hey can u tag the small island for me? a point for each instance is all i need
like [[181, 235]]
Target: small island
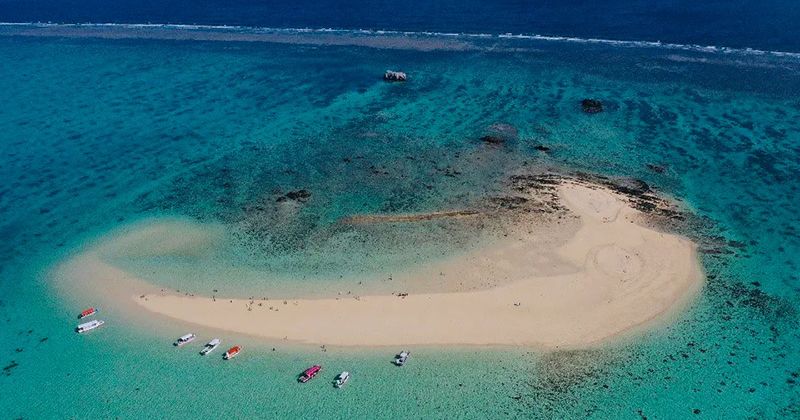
[[585, 271]]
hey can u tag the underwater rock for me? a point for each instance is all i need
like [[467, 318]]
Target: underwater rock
[[500, 133], [541, 148], [492, 139], [7, 370], [503, 129], [591, 106], [299, 195], [659, 169]]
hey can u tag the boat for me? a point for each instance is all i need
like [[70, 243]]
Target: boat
[[88, 312], [184, 339], [341, 379], [394, 76], [210, 346], [88, 326], [232, 352], [401, 358], [309, 373]]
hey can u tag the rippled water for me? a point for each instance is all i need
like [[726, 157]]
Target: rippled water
[[98, 134]]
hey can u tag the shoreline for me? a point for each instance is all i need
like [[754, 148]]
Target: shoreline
[[541, 291]]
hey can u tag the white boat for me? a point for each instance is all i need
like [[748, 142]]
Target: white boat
[[88, 326], [394, 76], [341, 379], [401, 358], [210, 346], [184, 339]]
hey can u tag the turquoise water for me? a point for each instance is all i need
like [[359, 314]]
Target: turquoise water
[[98, 134]]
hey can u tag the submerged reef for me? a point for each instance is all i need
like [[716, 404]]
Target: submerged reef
[[591, 106], [500, 133]]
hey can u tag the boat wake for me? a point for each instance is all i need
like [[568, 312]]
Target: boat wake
[[249, 33]]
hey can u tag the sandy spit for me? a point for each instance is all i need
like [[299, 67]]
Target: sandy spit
[[613, 275]]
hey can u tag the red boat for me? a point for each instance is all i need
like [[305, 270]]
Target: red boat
[[232, 352], [88, 312], [309, 373]]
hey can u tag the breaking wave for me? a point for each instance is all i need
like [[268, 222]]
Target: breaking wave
[[245, 30]]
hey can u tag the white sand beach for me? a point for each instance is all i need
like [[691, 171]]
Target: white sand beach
[[611, 275]]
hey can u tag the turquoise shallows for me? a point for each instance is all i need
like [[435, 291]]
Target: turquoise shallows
[[98, 134]]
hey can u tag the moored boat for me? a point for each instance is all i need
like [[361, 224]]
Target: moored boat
[[232, 352], [394, 76], [184, 339], [210, 346], [341, 379], [88, 326], [401, 358], [87, 312], [309, 373]]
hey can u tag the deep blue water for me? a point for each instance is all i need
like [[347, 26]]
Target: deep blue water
[[769, 24]]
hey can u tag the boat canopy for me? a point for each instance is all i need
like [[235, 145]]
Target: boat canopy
[[186, 337]]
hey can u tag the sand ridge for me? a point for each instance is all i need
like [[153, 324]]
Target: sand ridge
[[611, 276]]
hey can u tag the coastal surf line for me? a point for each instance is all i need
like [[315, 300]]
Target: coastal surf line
[[251, 30]]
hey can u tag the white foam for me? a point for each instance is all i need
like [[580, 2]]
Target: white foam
[[710, 49]]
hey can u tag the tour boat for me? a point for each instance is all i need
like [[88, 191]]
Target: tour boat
[[232, 352], [309, 373], [401, 358], [394, 76], [88, 326], [184, 339], [87, 312], [341, 379], [210, 346]]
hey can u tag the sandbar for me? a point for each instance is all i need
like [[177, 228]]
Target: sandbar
[[612, 275]]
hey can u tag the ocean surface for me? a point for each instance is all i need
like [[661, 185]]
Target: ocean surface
[[97, 134], [766, 24]]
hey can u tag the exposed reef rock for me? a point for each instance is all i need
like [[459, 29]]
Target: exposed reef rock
[[509, 202], [591, 106], [638, 193]]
